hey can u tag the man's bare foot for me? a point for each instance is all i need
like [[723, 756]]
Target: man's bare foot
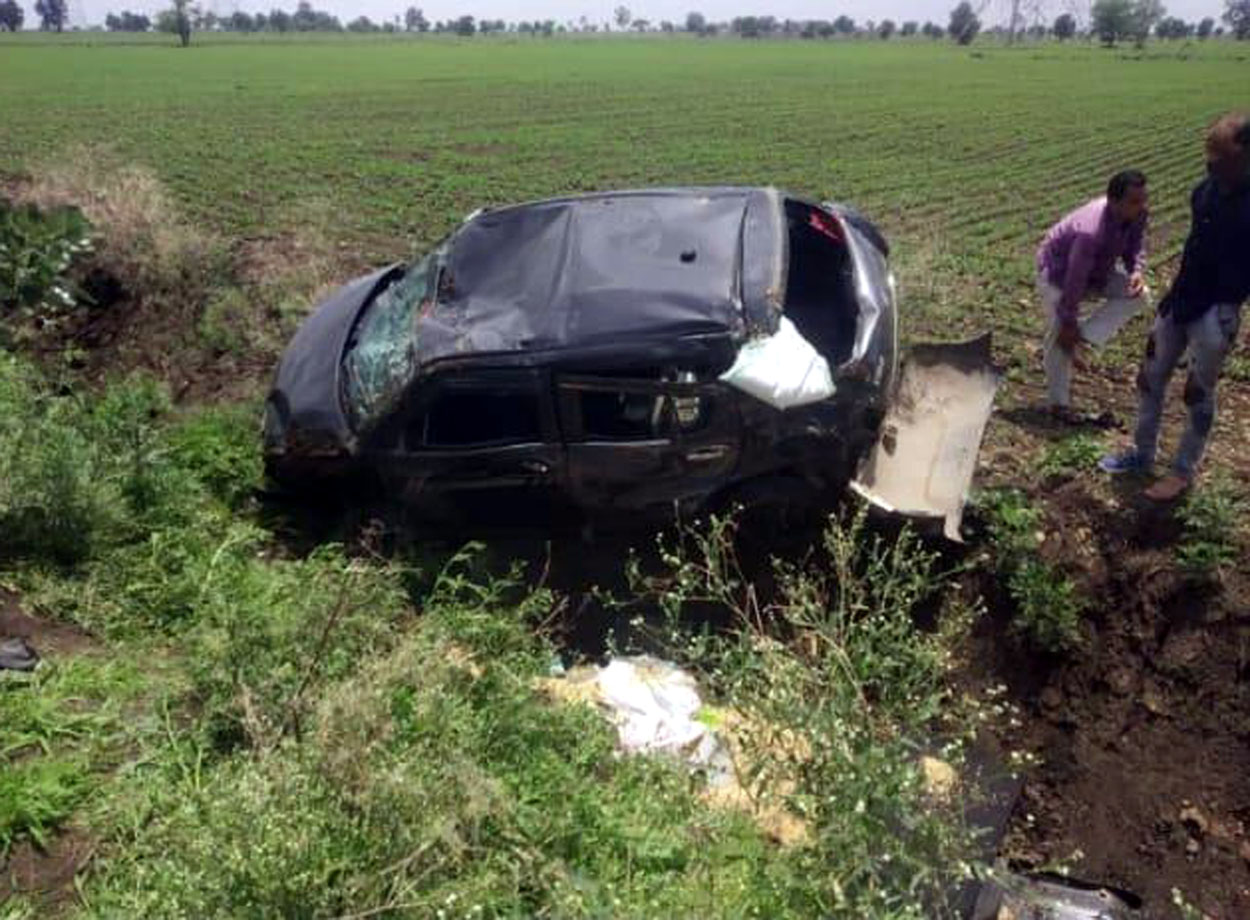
[[1169, 488]]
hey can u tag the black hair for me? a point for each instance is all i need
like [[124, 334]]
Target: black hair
[[1124, 180]]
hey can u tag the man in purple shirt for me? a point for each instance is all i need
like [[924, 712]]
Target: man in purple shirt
[[1096, 251], [1200, 313]]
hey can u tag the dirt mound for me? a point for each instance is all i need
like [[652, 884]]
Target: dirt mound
[[46, 876], [1144, 733], [47, 636]]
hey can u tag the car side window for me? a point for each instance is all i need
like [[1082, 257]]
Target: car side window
[[617, 415], [615, 411], [472, 416]]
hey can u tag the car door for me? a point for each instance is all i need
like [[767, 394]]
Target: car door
[[480, 443], [633, 443]]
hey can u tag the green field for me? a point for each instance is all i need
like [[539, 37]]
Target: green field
[[964, 156], [246, 714]]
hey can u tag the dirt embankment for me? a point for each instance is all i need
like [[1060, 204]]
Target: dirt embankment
[[159, 295], [1144, 731]]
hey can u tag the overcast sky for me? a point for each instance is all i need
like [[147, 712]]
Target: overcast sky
[[93, 11]]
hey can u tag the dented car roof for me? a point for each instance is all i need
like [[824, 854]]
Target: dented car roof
[[609, 268]]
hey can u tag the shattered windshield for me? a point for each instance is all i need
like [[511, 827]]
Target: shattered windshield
[[381, 357]]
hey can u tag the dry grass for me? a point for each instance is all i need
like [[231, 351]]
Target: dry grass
[[142, 240], [207, 316]]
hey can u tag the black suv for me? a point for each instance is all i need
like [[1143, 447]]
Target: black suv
[[570, 355]]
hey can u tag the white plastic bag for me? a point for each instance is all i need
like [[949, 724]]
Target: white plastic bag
[[654, 705], [655, 708], [782, 369]]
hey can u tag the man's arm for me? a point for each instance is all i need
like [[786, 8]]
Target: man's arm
[[1135, 257], [1185, 274], [1076, 280], [1242, 245], [1135, 248]]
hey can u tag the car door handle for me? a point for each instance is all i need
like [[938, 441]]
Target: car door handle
[[537, 467], [707, 454]]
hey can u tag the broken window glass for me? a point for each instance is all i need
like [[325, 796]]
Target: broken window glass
[[635, 415], [820, 285], [382, 355]]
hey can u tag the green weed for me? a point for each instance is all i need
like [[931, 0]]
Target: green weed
[[1211, 517], [219, 447], [77, 474], [1069, 456], [224, 325], [60, 731], [36, 796], [18, 908], [1237, 367], [52, 502], [1048, 604], [844, 691], [37, 251]]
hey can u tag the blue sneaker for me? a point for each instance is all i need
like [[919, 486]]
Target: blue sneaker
[[1130, 461]]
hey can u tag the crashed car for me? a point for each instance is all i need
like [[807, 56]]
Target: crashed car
[[621, 354]]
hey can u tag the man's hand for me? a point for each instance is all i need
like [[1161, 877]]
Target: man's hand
[[1069, 337], [1136, 284]]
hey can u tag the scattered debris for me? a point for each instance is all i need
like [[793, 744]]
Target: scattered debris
[[653, 704], [656, 709], [1046, 897], [1194, 820], [941, 780], [782, 369], [922, 464], [17, 654]]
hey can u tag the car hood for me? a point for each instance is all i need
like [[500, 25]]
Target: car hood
[[304, 402]]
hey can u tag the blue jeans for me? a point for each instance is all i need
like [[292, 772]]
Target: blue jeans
[[1209, 339]]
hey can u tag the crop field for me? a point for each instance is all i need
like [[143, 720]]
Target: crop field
[[246, 713], [963, 156]]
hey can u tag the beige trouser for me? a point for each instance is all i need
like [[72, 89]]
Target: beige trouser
[[1097, 329]]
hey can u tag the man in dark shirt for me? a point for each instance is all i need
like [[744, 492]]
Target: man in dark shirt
[[1201, 312]]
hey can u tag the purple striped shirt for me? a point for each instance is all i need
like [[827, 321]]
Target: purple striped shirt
[[1078, 253]]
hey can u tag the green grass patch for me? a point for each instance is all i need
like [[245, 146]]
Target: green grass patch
[[36, 796], [287, 734], [437, 778], [61, 731]]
